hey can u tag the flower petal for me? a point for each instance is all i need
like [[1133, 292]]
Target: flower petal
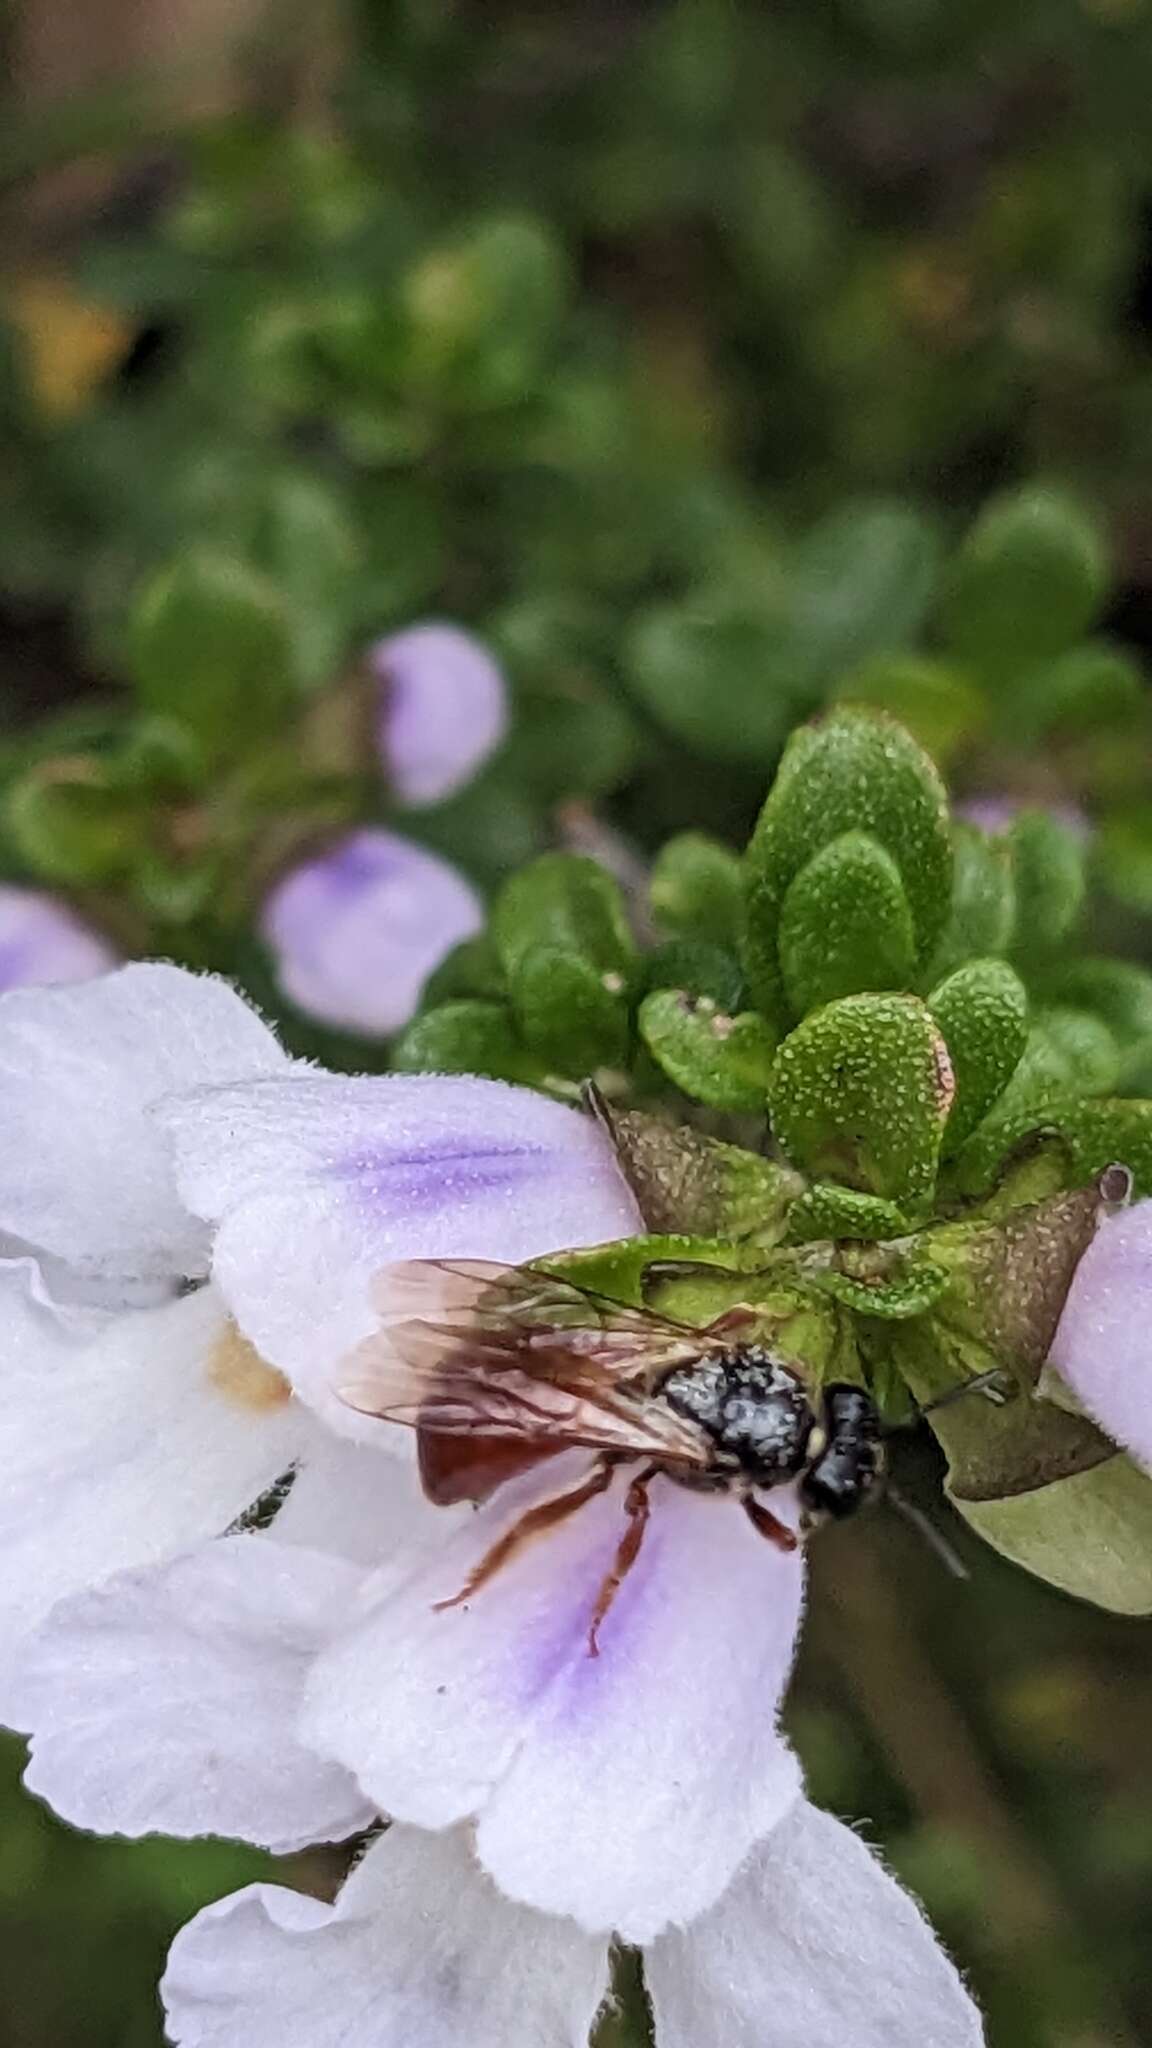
[[582, 1769], [166, 1701], [357, 931], [815, 1943], [116, 1448], [419, 1951], [357, 1502], [83, 1173], [316, 1182], [1101, 1347], [443, 709], [41, 941]]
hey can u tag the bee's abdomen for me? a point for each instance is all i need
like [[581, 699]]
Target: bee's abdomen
[[852, 1460], [754, 1409]]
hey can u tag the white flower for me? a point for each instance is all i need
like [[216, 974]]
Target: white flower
[[813, 1943], [580, 1771], [150, 1371]]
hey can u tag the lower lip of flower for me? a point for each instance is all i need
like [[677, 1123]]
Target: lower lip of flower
[[238, 1372]]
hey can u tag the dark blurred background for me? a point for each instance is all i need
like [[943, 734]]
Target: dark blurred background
[[553, 318]]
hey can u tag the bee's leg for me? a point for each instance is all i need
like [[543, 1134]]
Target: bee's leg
[[537, 1519], [767, 1524], [637, 1508]]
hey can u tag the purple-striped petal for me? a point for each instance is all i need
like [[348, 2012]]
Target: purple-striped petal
[[357, 931], [443, 709], [318, 1182]]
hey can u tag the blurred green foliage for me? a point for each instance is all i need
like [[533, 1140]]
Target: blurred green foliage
[[718, 363]]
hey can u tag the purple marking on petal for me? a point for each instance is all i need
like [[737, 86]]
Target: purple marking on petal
[[357, 931], [443, 709], [419, 1181]]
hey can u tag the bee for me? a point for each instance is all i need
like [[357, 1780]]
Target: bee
[[499, 1369]]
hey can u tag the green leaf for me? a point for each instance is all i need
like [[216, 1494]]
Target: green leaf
[[571, 1016], [1048, 862], [1114, 1131], [845, 925], [1090, 1534], [825, 1210], [567, 901], [1086, 1045], [1122, 856], [71, 823], [722, 1060], [982, 913], [212, 647], [1116, 990], [860, 1093], [938, 704], [483, 310], [719, 678], [696, 888], [865, 577], [304, 542], [467, 1037], [1029, 579], [852, 771], [471, 969], [982, 1009], [1090, 689], [693, 966]]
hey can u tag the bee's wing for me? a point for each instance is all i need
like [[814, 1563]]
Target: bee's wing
[[495, 1352]]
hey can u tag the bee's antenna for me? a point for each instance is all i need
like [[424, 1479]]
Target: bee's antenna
[[935, 1538]]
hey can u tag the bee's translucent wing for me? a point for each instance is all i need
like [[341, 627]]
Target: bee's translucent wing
[[523, 1363]]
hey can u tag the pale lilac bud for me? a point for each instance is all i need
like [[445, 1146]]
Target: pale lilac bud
[[443, 709], [998, 814], [42, 941], [357, 931]]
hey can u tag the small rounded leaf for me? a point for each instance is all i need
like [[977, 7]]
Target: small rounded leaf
[[695, 888], [861, 1092], [851, 771], [571, 1015], [845, 925], [982, 1010], [212, 646], [722, 1060], [563, 900], [1028, 580], [467, 1037], [1048, 862]]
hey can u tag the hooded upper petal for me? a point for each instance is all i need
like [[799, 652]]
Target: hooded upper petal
[[419, 1951], [42, 941], [117, 1445], [357, 931], [315, 1182], [166, 1701], [623, 1789], [443, 709], [813, 1943], [1103, 1347], [83, 1172]]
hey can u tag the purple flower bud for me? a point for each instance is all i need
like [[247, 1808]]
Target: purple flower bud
[[42, 941], [443, 709], [997, 814], [357, 931]]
